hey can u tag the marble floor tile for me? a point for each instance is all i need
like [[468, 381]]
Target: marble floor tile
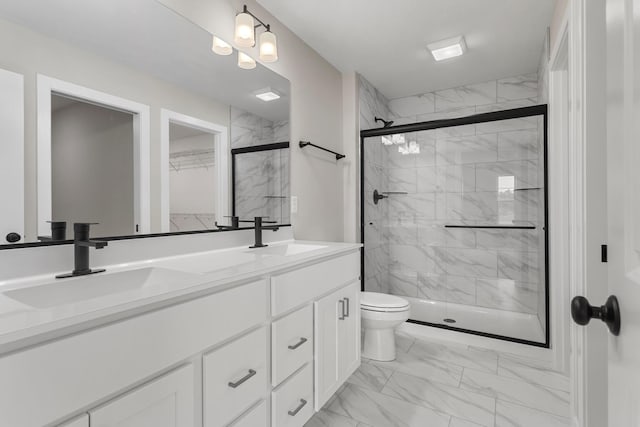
[[458, 355], [450, 400], [404, 341], [325, 418], [379, 410], [513, 368], [510, 390], [371, 376], [511, 415], [425, 367]]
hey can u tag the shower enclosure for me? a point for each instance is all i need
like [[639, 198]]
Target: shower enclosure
[[453, 218]]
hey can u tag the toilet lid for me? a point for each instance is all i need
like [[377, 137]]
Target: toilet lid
[[373, 300]]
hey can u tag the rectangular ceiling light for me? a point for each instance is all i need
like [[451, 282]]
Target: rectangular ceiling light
[[267, 95], [449, 48]]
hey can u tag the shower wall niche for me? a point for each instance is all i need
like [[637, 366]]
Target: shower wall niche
[[460, 230]]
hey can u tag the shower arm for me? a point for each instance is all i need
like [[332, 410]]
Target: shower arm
[[377, 196]]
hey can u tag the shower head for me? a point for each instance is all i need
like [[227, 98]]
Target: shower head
[[386, 123]]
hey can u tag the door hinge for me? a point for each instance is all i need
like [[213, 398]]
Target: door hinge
[[604, 253]]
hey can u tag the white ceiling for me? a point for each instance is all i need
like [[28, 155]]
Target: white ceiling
[[385, 40], [150, 37]]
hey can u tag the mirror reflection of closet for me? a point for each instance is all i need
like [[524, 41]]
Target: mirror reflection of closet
[[92, 171], [192, 178]]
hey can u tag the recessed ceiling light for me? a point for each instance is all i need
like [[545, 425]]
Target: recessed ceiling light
[[449, 48], [267, 95]]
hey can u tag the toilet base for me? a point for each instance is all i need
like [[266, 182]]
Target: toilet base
[[379, 344]]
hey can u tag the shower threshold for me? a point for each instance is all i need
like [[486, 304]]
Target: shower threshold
[[508, 325]]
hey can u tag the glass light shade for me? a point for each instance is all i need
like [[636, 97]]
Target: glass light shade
[[268, 47], [221, 47], [245, 61], [245, 33]]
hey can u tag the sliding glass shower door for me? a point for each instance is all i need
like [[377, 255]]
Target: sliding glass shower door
[[454, 220]]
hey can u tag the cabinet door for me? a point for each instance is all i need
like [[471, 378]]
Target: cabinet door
[[164, 402], [328, 319], [349, 333], [81, 421]]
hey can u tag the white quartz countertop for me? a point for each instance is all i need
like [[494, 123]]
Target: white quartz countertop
[[38, 308]]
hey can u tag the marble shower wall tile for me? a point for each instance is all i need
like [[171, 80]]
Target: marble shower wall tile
[[524, 172], [466, 96], [472, 207], [468, 149], [459, 290], [467, 262], [403, 282], [413, 105], [520, 266], [518, 145], [508, 295], [519, 87]]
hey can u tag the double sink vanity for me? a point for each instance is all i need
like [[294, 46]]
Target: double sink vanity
[[233, 336]]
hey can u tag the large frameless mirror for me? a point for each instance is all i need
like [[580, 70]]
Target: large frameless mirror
[[124, 116]]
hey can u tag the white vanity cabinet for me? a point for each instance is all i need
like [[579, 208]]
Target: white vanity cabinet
[[167, 401], [337, 332], [263, 352]]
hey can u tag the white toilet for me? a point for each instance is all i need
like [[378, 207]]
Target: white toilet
[[381, 314]]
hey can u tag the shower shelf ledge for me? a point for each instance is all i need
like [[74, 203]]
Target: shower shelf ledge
[[508, 227]]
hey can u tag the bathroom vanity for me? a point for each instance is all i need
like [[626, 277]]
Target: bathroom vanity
[[242, 337]]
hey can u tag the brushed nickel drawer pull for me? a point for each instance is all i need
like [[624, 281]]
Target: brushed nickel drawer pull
[[348, 305], [298, 344], [300, 406], [341, 316], [243, 379]]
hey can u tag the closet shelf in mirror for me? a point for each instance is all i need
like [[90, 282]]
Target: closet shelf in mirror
[[192, 159]]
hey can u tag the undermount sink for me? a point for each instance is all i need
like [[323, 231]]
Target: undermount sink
[[208, 262], [73, 290], [286, 250]]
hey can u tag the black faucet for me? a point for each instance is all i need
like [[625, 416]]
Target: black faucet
[[81, 245], [235, 224], [58, 232], [258, 221]]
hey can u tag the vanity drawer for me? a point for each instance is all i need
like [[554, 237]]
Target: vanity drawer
[[292, 402], [292, 343], [291, 289], [235, 377], [257, 417]]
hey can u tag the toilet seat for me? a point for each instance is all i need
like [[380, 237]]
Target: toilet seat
[[374, 301]]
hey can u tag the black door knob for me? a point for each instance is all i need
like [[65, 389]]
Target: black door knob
[[13, 237], [582, 312]]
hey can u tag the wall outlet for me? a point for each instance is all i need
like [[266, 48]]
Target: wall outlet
[[294, 204]]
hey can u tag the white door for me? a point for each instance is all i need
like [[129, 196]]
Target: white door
[[328, 321], [12, 149], [164, 402], [349, 333], [623, 175]]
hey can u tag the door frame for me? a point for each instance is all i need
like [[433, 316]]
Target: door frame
[[221, 142], [12, 170], [585, 31], [558, 173], [48, 86]]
